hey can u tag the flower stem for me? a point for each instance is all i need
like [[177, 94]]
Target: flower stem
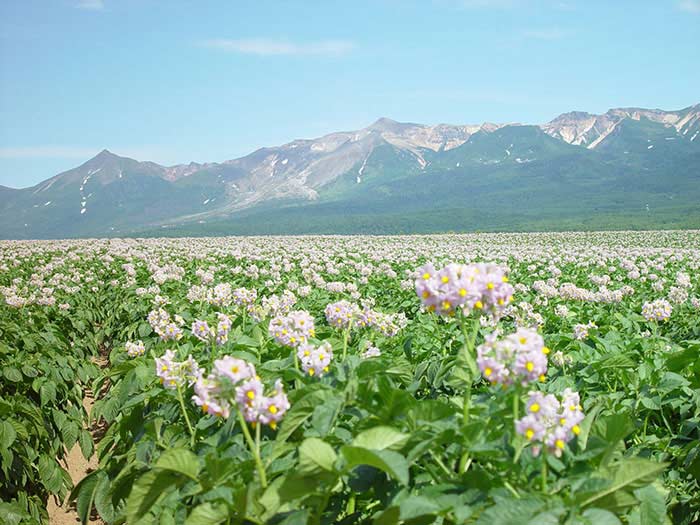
[[187, 418], [345, 343], [253, 449], [544, 472], [516, 406]]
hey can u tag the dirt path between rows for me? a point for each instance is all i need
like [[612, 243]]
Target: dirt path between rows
[[78, 467]]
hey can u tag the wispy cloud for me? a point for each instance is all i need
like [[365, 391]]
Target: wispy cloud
[[691, 6], [545, 34], [271, 47], [93, 5]]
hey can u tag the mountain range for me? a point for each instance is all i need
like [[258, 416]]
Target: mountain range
[[627, 168]]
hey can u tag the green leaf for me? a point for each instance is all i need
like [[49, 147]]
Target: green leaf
[[600, 517], [629, 474], [87, 445], [380, 438], [393, 463], [50, 473], [181, 461], [84, 495], [416, 506], [314, 455], [652, 505], [47, 393], [207, 514], [144, 329], [7, 434], [146, 491], [12, 374], [70, 431], [510, 512]]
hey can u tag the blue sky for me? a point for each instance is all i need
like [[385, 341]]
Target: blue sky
[[174, 81]]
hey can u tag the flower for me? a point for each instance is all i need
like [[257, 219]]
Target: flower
[[201, 330], [342, 314], [135, 349], [581, 330], [521, 356], [292, 329], [371, 351], [234, 369], [551, 420], [234, 384], [315, 361], [472, 287], [175, 374], [658, 310]]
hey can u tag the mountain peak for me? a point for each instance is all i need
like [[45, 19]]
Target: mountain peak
[[387, 124]]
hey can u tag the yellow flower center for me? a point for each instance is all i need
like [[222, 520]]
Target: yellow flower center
[[250, 394], [426, 276], [529, 433], [535, 407], [488, 372], [559, 444], [462, 292], [272, 409], [576, 429], [530, 366], [478, 305], [489, 286], [445, 279], [545, 350]]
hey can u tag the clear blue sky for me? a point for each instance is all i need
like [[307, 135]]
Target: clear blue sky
[[173, 81]]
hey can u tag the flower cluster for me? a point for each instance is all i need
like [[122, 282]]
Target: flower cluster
[[387, 325], [219, 335], [292, 329], [164, 326], [581, 330], [478, 286], [234, 383], [658, 310], [135, 349], [174, 374], [551, 421], [372, 351], [342, 314], [315, 360], [519, 357], [244, 296]]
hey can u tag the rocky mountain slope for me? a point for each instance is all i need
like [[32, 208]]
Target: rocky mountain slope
[[629, 162]]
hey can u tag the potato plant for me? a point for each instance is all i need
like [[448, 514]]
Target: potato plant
[[488, 379]]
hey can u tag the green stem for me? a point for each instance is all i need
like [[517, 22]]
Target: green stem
[[345, 343], [516, 405], [187, 418], [465, 405], [544, 472], [253, 449]]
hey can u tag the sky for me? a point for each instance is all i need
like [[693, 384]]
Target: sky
[[176, 81]]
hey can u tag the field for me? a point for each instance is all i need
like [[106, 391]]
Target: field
[[493, 379]]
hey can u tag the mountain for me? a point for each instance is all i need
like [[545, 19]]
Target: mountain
[[629, 167]]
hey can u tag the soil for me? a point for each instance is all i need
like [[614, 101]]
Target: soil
[[63, 513]]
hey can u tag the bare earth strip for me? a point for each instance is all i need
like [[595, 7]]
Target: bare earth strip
[[78, 467]]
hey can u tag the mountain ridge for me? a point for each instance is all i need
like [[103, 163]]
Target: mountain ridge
[[111, 194]]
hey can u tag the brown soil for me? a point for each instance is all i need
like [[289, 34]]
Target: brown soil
[[63, 513]]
